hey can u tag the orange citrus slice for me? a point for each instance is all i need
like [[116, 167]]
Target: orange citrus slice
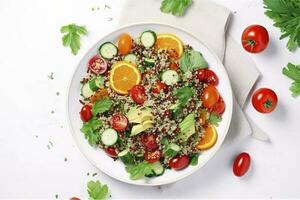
[[209, 139], [123, 77], [170, 42]]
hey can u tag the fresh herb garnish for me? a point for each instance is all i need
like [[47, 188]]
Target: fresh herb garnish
[[194, 159], [214, 119], [72, 36], [192, 60], [97, 191], [102, 106], [176, 7], [51, 76], [140, 170], [184, 94], [286, 16], [293, 72], [89, 129]]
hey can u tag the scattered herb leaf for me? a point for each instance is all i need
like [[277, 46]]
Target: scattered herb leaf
[[102, 106], [56, 196], [66, 159], [214, 119], [293, 72], [140, 170], [184, 94], [51, 76], [176, 7], [89, 129], [97, 191], [94, 174], [192, 60]]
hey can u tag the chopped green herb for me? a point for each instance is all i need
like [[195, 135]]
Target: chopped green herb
[[184, 94], [102, 106], [66, 159], [51, 76], [192, 60], [176, 7], [56, 196], [57, 93], [107, 6], [293, 72], [89, 129], [97, 191], [52, 112], [214, 119], [88, 174], [94, 174]]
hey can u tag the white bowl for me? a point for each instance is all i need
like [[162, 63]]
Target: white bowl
[[116, 169]]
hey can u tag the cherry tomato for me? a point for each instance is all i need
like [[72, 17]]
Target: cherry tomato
[[124, 44], [241, 164], [111, 151], [119, 122], [201, 74], [179, 162], [138, 94], [74, 198], [264, 100], [219, 107], [160, 86], [211, 77], [86, 113], [202, 118], [255, 38], [152, 156], [97, 65], [210, 96], [174, 66], [149, 141]]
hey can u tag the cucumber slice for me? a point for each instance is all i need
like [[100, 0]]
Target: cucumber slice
[[131, 58], [170, 77], [126, 157], [148, 38], [172, 150], [148, 62], [108, 50], [96, 83], [158, 168], [109, 137], [86, 91]]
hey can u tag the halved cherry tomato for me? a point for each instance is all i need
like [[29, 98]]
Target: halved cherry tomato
[[211, 77], [152, 156], [138, 94], [124, 44], [174, 66], [201, 74], [255, 38], [86, 113], [202, 118], [179, 162], [264, 100], [149, 141], [219, 107], [74, 198], [119, 122], [111, 151], [160, 86], [97, 65], [210, 96], [241, 164]]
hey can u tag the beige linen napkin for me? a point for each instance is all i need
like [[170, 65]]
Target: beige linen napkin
[[208, 22]]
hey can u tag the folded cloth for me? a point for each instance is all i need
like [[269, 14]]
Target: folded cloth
[[208, 22]]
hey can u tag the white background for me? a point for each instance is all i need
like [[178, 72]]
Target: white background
[[30, 49]]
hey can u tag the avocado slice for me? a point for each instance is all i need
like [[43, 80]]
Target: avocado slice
[[136, 129], [187, 127], [138, 115]]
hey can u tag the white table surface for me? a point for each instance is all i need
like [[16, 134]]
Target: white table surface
[[30, 49]]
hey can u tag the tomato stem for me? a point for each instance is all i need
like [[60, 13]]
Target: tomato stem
[[268, 104]]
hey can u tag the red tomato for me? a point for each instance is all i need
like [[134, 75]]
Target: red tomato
[[174, 66], [149, 141], [264, 100], [160, 86], [179, 162], [255, 38], [201, 74], [119, 122], [86, 113], [124, 44], [138, 94], [74, 198], [97, 65], [152, 156], [210, 96], [111, 151], [241, 164], [211, 77], [219, 107]]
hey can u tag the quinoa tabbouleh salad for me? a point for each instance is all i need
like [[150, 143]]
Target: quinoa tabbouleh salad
[[151, 102]]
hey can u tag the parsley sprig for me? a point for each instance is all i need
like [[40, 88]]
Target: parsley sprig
[[72, 36], [176, 7], [140, 170], [286, 16], [293, 72], [90, 130], [97, 191]]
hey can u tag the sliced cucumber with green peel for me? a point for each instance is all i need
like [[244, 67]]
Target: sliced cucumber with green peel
[[108, 50], [172, 150], [126, 157], [170, 77], [86, 91], [148, 62], [148, 38], [96, 83], [131, 58], [109, 137], [158, 168]]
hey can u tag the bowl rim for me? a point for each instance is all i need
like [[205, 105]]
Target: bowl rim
[[229, 106]]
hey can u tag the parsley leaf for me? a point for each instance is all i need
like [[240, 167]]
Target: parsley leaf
[[214, 119], [97, 191], [192, 60], [89, 129], [184, 94], [102, 106], [72, 36], [176, 7], [293, 72], [286, 16], [194, 159], [140, 170]]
